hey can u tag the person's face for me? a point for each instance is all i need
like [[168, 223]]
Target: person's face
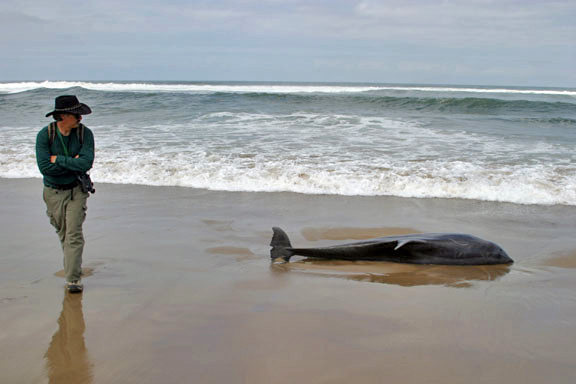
[[70, 120]]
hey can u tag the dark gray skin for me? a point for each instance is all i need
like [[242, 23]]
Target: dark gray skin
[[420, 248]]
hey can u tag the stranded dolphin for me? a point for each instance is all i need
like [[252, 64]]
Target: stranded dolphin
[[421, 248]]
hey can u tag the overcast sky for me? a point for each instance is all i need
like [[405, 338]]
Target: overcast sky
[[480, 42]]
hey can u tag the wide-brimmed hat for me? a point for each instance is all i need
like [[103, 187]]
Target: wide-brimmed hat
[[70, 104]]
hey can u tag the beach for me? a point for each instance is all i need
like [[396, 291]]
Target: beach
[[179, 288]]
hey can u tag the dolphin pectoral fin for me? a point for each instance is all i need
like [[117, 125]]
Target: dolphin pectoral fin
[[402, 243]]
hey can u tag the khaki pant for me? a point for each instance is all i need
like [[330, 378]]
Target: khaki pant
[[67, 211]]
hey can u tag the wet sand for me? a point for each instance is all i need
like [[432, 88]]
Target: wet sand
[[180, 289]]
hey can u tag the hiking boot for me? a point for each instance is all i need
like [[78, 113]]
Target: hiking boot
[[74, 286]]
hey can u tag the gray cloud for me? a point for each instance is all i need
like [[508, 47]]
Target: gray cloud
[[465, 41]]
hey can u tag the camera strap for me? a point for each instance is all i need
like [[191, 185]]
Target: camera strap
[[62, 142], [66, 153]]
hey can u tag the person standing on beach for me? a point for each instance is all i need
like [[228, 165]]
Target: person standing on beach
[[64, 151]]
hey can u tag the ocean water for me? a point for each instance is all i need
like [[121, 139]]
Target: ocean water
[[505, 144]]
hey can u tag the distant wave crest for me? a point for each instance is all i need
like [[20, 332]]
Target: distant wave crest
[[275, 88]]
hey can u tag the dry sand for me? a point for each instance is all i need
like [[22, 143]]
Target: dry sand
[[180, 289]]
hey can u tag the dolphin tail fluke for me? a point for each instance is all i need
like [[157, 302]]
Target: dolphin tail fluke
[[281, 247]]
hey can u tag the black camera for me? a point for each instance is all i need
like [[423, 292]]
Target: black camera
[[86, 184]]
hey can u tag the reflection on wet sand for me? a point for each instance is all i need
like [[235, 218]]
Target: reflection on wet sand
[[241, 254], [66, 357], [562, 260], [86, 271], [406, 275]]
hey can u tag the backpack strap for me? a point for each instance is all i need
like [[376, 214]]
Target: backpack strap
[[80, 133], [51, 132]]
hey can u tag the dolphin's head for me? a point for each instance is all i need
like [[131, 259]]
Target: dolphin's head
[[463, 249], [501, 256], [491, 253]]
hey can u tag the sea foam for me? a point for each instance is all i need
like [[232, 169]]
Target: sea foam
[[315, 139]]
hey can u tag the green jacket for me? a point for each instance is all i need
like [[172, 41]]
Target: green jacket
[[65, 169]]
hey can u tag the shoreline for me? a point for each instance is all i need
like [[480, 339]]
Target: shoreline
[[181, 288]]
